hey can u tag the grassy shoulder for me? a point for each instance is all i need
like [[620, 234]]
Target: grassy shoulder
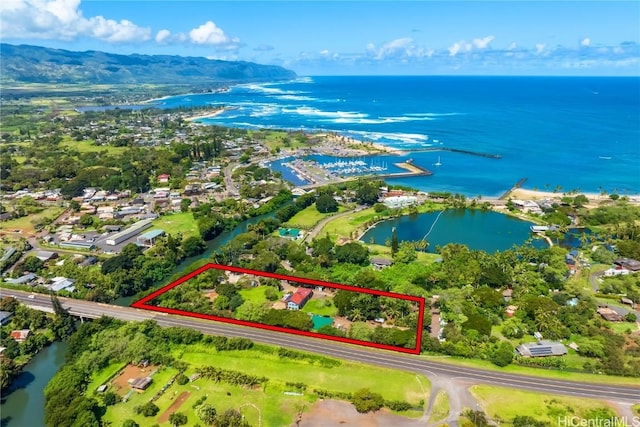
[[440, 408], [537, 372], [277, 402], [27, 223], [548, 408]]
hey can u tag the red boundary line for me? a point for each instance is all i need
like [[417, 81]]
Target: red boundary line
[[143, 304]]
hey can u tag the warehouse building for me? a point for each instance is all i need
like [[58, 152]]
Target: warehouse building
[[127, 233]]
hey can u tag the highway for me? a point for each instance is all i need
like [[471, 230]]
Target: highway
[[412, 363]]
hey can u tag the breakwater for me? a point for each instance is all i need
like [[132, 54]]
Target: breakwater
[[457, 150], [517, 185]]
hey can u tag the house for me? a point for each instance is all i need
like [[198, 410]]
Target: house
[[163, 178], [149, 238], [380, 263], [510, 310], [20, 335], [140, 383], [46, 255], [62, 284], [507, 294], [541, 349], [627, 264], [627, 301], [5, 316], [291, 233], [22, 280], [609, 314], [400, 201], [299, 298]]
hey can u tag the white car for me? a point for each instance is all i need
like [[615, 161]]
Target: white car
[[31, 296]]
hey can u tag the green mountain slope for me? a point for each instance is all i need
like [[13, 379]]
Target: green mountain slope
[[33, 64]]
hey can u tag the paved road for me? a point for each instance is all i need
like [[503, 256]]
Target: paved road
[[232, 189], [418, 364]]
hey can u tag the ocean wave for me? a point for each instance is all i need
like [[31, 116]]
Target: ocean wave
[[394, 138], [296, 98], [434, 114], [309, 111]]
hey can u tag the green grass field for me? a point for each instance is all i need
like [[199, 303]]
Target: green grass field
[[537, 372], [319, 307], [269, 403], [385, 251], [544, 407], [27, 223], [254, 295], [87, 146], [345, 226], [309, 216], [173, 224]]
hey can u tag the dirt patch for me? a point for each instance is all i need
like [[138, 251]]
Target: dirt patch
[[212, 295], [335, 413], [174, 407], [120, 384]]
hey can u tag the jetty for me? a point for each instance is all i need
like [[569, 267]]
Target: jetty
[[457, 150], [517, 185]]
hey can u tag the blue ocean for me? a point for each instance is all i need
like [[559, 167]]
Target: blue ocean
[[562, 133]]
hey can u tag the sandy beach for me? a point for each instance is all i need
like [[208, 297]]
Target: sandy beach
[[524, 194], [363, 146], [206, 115]]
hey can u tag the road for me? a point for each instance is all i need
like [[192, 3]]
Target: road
[[417, 364], [232, 189]]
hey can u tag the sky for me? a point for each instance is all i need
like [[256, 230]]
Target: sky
[[348, 37]]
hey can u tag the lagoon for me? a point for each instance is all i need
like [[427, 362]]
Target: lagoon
[[479, 230]]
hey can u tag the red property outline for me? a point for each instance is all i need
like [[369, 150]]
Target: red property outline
[[142, 304]]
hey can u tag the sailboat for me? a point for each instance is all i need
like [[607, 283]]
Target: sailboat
[[438, 162]]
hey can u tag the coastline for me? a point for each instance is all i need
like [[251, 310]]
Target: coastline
[[208, 115], [364, 147]]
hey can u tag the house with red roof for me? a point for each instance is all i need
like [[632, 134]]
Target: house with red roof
[[299, 298], [163, 178], [20, 335]]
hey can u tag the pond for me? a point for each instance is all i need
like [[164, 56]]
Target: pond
[[479, 230]]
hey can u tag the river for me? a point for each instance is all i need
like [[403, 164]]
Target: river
[[23, 404]]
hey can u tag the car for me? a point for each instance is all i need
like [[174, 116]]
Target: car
[[31, 296]]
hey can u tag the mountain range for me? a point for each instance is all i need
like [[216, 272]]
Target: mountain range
[[35, 64]]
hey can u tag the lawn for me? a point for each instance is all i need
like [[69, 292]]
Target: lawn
[[255, 295], [27, 223], [320, 307], [544, 407], [440, 408], [385, 252], [87, 146], [349, 377], [173, 224], [104, 375], [309, 216], [345, 226], [270, 404]]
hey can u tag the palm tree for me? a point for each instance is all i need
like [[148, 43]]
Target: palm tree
[[356, 315]]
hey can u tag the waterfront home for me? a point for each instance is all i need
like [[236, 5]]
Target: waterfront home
[[20, 335]]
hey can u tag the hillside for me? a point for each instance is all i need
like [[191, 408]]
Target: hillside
[[33, 64]]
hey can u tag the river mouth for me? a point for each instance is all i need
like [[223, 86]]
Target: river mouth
[[479, 230]]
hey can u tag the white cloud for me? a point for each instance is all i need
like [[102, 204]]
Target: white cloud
[[325, 52], [398, 47], [163, 36], [585, 41], [63, 20], [483, 43], [512, 46], [263, 48], [210, 34], [540, 48]]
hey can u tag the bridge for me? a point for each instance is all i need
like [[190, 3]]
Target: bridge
[[623, 394]]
